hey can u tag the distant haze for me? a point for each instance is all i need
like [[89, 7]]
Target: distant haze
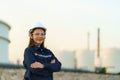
[[67, 22]]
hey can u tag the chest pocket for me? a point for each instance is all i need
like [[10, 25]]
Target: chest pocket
[[43, 58]]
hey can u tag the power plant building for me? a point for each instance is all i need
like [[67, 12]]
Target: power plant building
[[85, 60], [67, 59], [110, 60], [4, 42]]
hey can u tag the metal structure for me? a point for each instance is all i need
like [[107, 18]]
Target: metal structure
[[110, 60], [4, 41], [67, 59], [85, 60]]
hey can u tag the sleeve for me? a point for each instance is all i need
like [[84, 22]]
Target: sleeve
[[29, 58], [54, 67]]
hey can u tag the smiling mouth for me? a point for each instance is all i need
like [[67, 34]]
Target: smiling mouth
[[40, 39]]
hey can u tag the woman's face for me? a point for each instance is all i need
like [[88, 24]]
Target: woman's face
[[38, 36]]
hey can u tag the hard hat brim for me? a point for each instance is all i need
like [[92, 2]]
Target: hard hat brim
[[44, 29]]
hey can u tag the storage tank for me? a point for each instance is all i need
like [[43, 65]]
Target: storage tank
[[85, 60], [67, 58], [110, 59], [4, 41]]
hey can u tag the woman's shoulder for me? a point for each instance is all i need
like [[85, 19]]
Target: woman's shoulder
[[28, 48], [48, 50]]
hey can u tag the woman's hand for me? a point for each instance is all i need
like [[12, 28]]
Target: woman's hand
[[40, 65], [52, 61], [37, 65]]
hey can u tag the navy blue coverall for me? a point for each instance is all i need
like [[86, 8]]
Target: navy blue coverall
[[44, 56]]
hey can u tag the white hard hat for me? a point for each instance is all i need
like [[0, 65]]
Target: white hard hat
[[37, 25]]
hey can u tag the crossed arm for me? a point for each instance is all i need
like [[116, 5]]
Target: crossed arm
[[40, 65], [33, 65]]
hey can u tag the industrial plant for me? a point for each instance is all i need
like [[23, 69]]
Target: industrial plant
[[91, 60], [83, 59]]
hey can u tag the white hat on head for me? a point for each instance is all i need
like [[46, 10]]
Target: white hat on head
[[37, 25]]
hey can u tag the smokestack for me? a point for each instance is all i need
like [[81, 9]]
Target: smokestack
[[88, 40], [98, 50], [98, 44]]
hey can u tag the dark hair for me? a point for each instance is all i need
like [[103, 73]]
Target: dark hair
[[31, 41]]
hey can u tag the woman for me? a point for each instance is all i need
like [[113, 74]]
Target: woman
[[39, 62]]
